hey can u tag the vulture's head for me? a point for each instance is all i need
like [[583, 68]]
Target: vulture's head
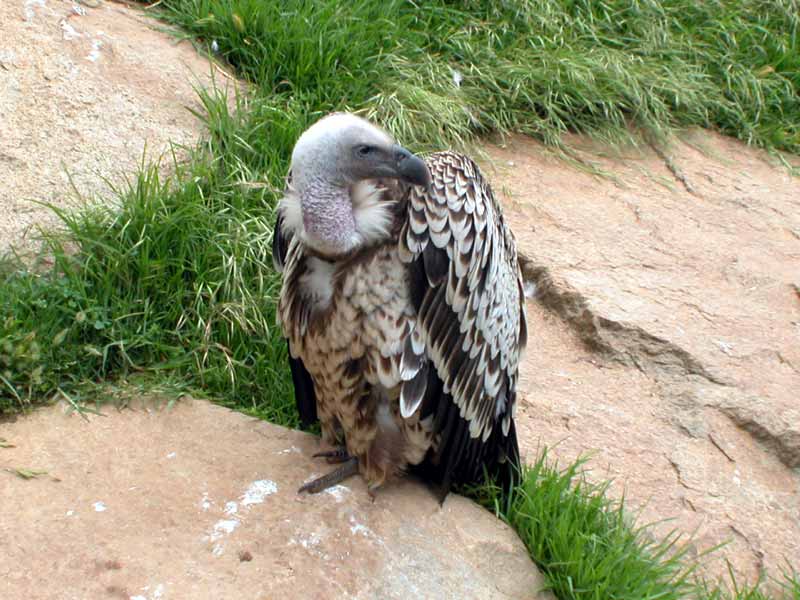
[[337, 204]]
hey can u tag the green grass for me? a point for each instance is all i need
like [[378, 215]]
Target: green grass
[[171, 279], [541, 67], [584, 542], [174, 278], [590, 548], [787, 585]]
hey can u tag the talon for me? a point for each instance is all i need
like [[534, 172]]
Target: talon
[[348, 469], [337, 455]]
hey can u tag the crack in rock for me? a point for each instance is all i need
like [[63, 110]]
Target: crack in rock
[[661, 359], [717, 445], [673, 168], [785, 443], [622, 342]]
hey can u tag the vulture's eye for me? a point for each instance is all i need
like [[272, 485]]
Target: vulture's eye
[[365, 151]]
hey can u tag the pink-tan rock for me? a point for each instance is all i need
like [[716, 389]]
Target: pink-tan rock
[[83, 93], [200, 502], [665, 334]]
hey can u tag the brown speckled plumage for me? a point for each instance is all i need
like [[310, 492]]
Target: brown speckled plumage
[[428, 321]]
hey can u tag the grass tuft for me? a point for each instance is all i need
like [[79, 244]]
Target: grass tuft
[[175, 276], [440, 73], [584, 542], [589, 548]]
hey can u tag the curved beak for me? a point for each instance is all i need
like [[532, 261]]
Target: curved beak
[[410, 167]]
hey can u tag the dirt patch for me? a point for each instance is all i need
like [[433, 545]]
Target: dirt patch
[[666, 334], [83, 92]]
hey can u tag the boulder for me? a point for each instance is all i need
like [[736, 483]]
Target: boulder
[[198, 501], [83, 93], [665, 332]]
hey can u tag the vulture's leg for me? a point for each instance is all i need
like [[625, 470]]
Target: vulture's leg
[[348, 469], [337, 455]]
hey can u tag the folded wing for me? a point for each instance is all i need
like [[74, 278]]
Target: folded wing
[[467, 289]]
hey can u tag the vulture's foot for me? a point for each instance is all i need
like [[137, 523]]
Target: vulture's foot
[[348, 468], [371, 489], [335, 456]]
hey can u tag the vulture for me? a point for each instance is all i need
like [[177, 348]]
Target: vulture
[[403, 307]]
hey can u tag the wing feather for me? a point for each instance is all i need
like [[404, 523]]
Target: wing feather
[[467, 289]]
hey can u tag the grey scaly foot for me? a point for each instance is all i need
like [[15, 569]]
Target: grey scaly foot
[[348, 469], [337, 455]]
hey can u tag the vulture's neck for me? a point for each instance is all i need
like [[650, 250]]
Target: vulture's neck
[[338, 221], [328, 220]]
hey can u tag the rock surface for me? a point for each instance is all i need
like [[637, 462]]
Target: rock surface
[[83, 92], [200, 502], [665, 334]]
